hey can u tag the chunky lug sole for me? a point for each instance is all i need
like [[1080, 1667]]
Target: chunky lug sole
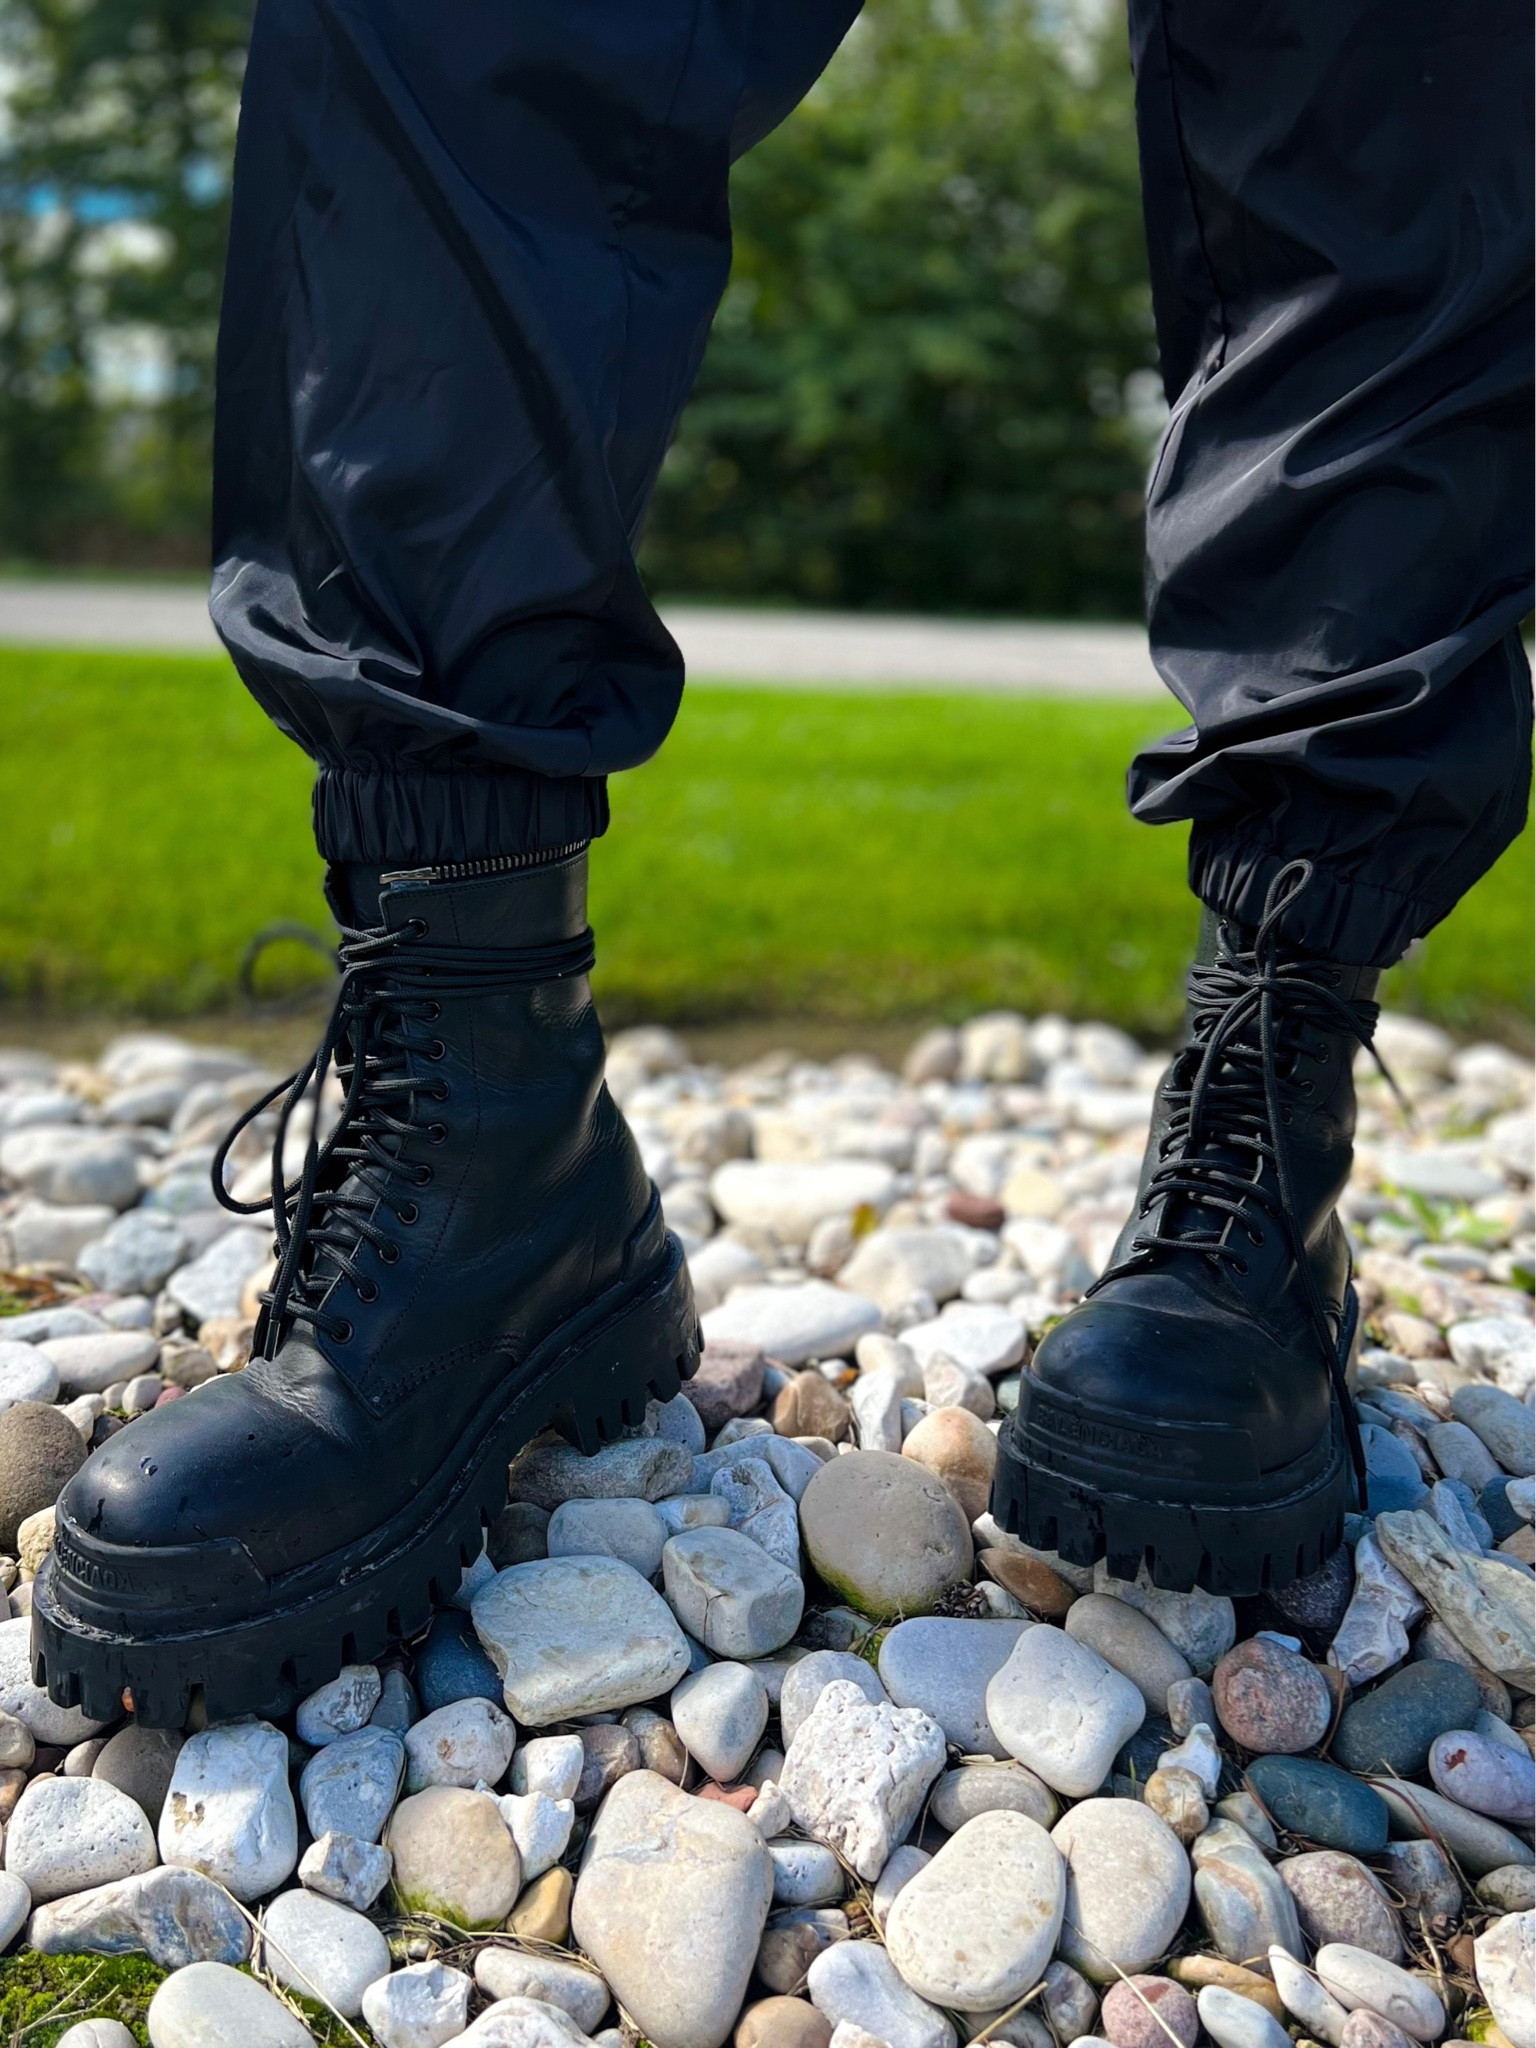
[[590, 1380], [1089, 1484]]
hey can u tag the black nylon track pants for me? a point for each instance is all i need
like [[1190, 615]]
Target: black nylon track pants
[[474, 257], [1338, 203]]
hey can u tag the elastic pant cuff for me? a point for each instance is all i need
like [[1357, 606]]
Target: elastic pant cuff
[[1338, 916], [428, 820]]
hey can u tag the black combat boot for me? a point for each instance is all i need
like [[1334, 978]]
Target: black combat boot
[[1192, 1413], [473, 1252]]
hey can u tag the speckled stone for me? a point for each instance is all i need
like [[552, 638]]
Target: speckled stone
[[454, 1857], [1511, 1889], [1314, 1606], [1420, 1873], [350, 1786], [1338, 1899], [1128, 2023], [974, 1929], [40, 1452], [1128, 1884], [1271, 1700], [1363, 2029], [729, 1382]]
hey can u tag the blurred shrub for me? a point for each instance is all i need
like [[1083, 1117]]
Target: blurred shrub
[[114, 209], [929, 382]]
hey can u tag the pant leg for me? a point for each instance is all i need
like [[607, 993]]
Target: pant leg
[[474, 256], [1338, 524]]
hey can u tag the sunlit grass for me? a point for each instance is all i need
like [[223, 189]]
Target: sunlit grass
[[848, 855]]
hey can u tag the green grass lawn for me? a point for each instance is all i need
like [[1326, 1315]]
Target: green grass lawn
[[847, 856]]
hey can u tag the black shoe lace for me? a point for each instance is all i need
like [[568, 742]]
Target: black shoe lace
[[1250, 1012], [348, 1193]]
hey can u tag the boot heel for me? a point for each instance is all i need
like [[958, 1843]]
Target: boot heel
[[646, 1350]]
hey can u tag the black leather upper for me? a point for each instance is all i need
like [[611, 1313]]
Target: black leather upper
[[537, 1203], [1173, 1334]]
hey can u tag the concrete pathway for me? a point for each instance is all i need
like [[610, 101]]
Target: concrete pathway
[[728, 644]]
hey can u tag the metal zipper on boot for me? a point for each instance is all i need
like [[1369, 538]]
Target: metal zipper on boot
[[497, 864]]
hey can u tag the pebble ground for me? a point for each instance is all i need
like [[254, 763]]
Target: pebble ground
[[755, 1726]]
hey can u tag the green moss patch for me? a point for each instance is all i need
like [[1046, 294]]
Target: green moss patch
[[42, 1997]]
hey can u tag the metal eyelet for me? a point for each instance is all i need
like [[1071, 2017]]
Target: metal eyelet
[[1242, 1266], [389, 1254], [417, 927], [436, 1050], [342, 1333], [407, 1213], [434, 1010], [441, 1092], [436, 1133], [422, 1177], [367, 1290]]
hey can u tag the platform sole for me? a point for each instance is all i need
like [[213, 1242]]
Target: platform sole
[[1087, 1487], [591, 1380]]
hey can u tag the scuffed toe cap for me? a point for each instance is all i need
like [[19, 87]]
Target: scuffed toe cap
[[1153, 1352]]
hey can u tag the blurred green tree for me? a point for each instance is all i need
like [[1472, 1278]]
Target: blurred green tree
[[114, 188], [929, 385]]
